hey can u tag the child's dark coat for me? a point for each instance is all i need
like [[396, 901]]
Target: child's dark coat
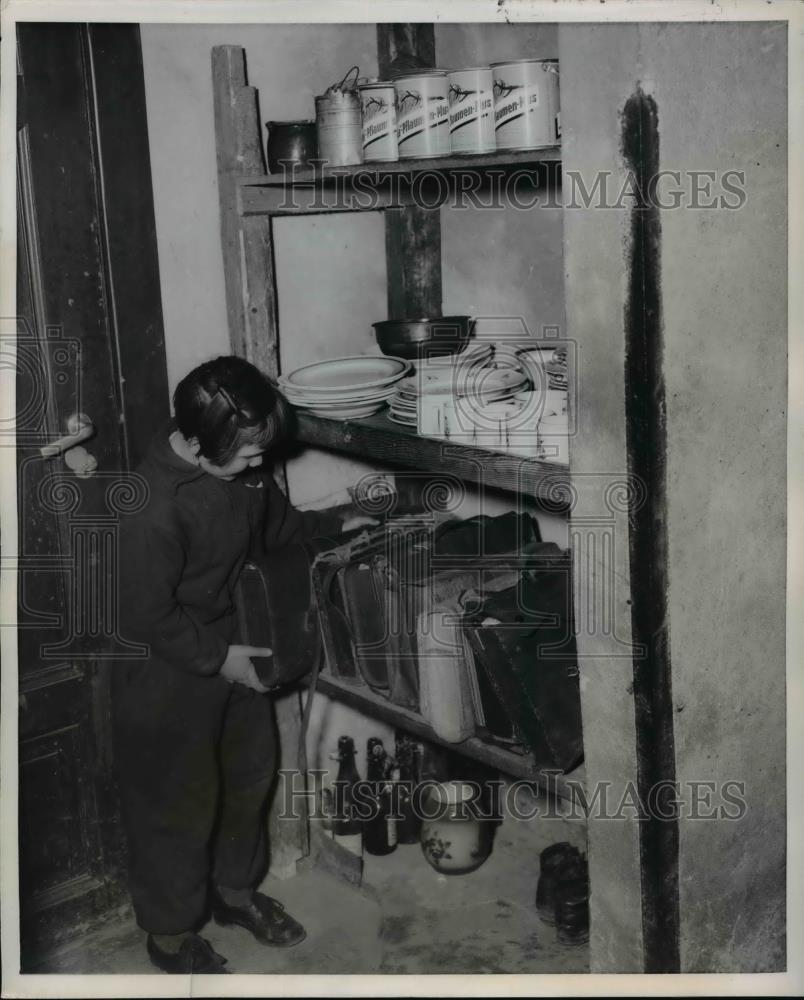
[[195, 755]]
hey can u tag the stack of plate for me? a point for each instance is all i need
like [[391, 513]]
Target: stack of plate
[[439, 375], [345, 388], [480, 383]]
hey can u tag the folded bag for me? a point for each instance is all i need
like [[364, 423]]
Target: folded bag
[[447, 685], [375, 602], [523, 640], [276, 608], [458, 555]]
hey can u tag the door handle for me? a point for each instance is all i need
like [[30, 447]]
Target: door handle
[[79, 428]]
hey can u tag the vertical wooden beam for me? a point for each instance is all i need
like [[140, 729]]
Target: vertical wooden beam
[[251, 305], [406, 46], [247, 244], [412, 234]]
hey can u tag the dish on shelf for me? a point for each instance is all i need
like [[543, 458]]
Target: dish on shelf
[[346, 411], [344, 388], [419, 338], [480, 382], [472, 355], [404, 421], [349, 396], [339, 375]]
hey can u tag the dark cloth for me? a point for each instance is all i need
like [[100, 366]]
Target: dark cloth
[[181, 554], [195, 756]]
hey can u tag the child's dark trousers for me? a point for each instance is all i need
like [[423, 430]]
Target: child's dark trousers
[[195, 758]]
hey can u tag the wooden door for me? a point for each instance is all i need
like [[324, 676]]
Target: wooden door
[[89, 341]]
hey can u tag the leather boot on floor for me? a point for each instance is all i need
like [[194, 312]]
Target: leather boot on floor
[[264, 916], [196, 955], [555, 860]]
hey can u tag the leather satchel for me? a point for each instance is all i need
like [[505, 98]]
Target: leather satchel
[[276, 607], [523, 641]]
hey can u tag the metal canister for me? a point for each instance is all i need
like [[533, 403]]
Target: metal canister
[[471, 110], [527, 112], [422, 114], [378, 106], [338, 122]]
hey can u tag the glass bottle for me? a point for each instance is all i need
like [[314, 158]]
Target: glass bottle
[[379, 831], [347, 828], [408, 756]]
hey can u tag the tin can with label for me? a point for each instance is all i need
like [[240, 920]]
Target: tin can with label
[[471, 111], [526, 104], [339, 126], [378, 105], [422, 114]]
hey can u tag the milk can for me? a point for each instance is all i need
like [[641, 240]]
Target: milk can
[[339, 120], [378, 100]]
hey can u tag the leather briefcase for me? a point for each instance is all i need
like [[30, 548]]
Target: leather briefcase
[[523, 640], [275, 608]]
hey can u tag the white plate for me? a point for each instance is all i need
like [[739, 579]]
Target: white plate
[[346, 412], [481, 382], [466, 358], [332, 399], [405, 423], [352, 373]]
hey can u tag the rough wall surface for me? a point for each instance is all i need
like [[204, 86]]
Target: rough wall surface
[[725, 296], [596, 79], [720, 95]]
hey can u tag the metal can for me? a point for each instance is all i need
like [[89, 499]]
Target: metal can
[[471, 110], [422, 114], [527, 112], [378, 106], [339, 125]]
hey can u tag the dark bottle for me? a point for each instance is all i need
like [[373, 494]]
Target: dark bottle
[[408, 756], [344, 821], [379, 831]]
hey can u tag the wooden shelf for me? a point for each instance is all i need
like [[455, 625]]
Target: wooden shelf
[[379, 438], [319, 174], [516, 765], [371, 186]]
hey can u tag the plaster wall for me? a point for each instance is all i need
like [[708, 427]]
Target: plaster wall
[[721, 99], [724, 279]]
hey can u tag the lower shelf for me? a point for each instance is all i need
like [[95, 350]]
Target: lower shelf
[[516, 765]]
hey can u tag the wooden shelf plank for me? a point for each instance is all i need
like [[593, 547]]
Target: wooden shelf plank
[[380, 438], [426, 183], [362, 698], [321, 174]]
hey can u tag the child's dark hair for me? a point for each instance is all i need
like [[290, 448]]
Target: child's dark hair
[[227, 403]]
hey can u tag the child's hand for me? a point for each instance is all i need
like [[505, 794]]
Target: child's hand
[[237, 668]]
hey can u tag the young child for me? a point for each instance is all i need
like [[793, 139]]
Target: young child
[[194, 733]]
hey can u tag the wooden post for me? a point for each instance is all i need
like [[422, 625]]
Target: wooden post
[[251, 305], [412, 234], [247, 243]]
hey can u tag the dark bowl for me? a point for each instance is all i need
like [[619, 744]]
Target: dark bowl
[[421, 338]]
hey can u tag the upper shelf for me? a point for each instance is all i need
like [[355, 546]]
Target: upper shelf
[[379, 438], [367, 186]]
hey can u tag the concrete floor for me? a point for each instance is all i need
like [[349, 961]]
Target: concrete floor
[[404, 919]]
